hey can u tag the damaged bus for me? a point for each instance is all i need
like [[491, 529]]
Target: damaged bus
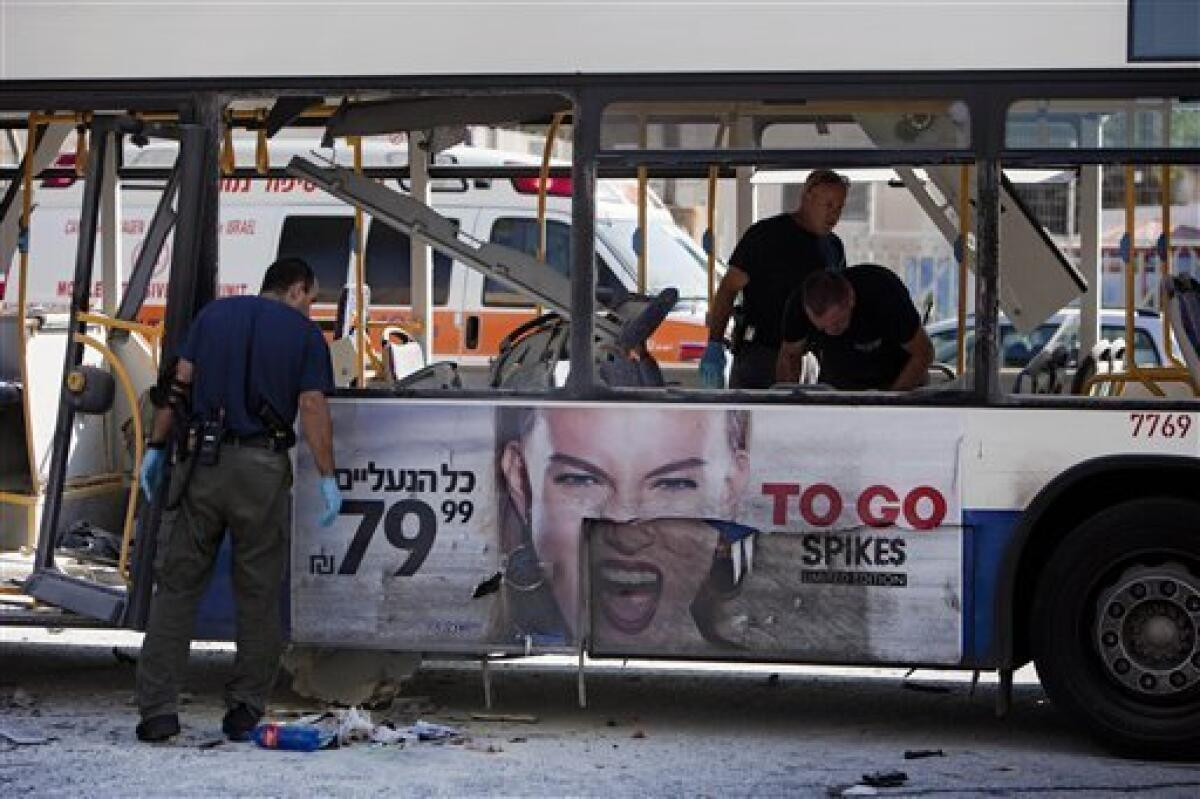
[[579, 500]]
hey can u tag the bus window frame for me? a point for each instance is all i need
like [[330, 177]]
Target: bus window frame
[[690, 162]]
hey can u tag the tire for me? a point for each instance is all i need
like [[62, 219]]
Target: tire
[[1115, 623]]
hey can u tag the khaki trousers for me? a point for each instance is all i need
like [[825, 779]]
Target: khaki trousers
[[246, 492]]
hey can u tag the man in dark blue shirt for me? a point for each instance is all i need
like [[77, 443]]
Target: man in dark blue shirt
[[249, 366]]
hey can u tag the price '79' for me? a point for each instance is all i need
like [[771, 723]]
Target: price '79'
[[409, 525], [1160, 425]]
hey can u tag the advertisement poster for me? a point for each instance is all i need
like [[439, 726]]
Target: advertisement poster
[[824, 533]]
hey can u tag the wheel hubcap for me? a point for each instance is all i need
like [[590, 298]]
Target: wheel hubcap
[[1146, 629]]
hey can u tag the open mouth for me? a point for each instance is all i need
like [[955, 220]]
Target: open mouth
[[629, 593]]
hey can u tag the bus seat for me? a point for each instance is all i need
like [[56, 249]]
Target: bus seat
[[939, 374], [529, 354], [402, 359], [1044, 372], [1083, 373], [1182, 300], [343, 354], [442, 376]]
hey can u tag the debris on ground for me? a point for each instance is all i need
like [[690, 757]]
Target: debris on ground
[[519, 718], [20, 737], [885, 779], [918, 754], [348, 726], [349, 677], [638, 734], [773, 681]]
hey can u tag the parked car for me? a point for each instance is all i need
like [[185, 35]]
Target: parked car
[[1017, 348]]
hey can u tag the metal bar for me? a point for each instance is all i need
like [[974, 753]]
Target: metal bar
[[711, 255], [586, 141], [1165, 277], [964, 232], [198, 173], [436, 171], [23, 297], [409, 114], [208, 112], [181, 307], [643, 182], [543, 180], [780, 158], [511, 267], [1130, 266], [160, 227], [420, 155], [360, 299], [110, 226], [63, 429], [987, 268], [1107, 157]]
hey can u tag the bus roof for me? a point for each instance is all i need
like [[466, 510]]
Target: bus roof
[[101, 39]]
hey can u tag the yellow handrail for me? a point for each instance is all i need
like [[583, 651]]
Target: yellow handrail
[[359, 268], [23, 295], [122, 375], [1148, 376]]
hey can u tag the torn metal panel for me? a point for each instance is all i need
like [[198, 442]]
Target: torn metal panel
[[389, 116]]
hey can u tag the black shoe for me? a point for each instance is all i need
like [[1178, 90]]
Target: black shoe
[[239, 722], [158, 728]]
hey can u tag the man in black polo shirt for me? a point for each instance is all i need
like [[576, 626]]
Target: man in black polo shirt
[[249, 366], [769, 263], [863, 327]]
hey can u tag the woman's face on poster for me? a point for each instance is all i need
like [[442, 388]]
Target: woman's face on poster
[[622, 465]]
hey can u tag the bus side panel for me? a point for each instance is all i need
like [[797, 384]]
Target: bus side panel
[[987, 537], [769, 533]]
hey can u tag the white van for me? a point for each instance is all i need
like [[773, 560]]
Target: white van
[[263, 219]]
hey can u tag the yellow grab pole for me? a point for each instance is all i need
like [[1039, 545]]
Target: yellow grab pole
[[262, 152], [712, 233], [360, 324], [643, 179], [544, 182], [23, 299], [964, 229], [81, 145], [1130, 299], [227, 159], [1165, 276], [543, 186], [122, 376]]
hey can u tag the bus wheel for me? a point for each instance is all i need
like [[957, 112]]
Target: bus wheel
[[1116, 627]]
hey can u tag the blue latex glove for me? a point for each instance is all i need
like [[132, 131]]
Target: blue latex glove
[[153, 465], [333, 500], [712, 365]]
